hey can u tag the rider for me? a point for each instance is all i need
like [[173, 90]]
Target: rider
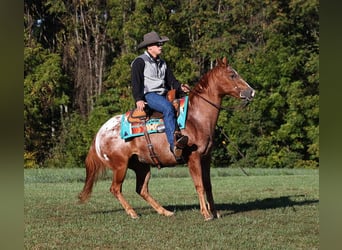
[[151, 80]]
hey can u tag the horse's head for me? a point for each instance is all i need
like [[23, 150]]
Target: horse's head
[[231, 83]]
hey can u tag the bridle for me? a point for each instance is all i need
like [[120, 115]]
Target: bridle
[[243, 104]]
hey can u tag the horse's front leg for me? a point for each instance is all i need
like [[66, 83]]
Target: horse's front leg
[[207, 185], [196, 174], [143, 175]]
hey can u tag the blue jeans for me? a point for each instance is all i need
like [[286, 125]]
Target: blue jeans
[[161, 104]]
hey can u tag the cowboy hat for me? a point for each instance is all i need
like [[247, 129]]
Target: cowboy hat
[[151, 38]]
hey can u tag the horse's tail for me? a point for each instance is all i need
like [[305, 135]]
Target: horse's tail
[[94, 167]]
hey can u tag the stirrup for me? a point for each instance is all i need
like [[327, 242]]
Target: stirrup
[[177, 153], [181, 141]]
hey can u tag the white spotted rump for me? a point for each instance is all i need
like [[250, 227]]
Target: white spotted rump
[[107, 129]]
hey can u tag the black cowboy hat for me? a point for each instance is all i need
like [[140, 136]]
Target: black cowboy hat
[[151, 38]]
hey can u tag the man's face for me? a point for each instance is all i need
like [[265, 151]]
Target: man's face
[[155, 49]]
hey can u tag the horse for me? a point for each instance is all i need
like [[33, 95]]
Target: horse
[[109, 150]]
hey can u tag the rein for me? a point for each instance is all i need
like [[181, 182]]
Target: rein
[[234, 146]]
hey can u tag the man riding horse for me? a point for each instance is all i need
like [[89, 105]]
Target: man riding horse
[[151, 80]]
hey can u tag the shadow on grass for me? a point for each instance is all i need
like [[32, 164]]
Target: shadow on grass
[[226, 209], [264, 204]]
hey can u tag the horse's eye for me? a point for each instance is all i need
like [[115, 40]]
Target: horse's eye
[[233, 76]]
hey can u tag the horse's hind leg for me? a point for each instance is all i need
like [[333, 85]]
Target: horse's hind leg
[[116, 190], [143, 175]]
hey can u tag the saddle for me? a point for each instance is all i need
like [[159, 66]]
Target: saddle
[[142, 116], [136, 115]]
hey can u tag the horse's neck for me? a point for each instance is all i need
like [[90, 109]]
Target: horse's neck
[[202, 111]]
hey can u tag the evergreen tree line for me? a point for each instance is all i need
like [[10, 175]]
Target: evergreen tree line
[[77, 57]]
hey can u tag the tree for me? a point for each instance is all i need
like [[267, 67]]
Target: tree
[[45, 96]]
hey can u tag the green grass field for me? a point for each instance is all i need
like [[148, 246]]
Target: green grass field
[[269, 209]]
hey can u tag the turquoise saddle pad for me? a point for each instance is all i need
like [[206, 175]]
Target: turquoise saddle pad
[[129, 130]]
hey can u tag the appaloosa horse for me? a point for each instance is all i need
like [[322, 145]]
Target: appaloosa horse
[[108, 150]]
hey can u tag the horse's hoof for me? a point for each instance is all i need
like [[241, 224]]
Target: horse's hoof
[[133, 214], [134, 217], [218, 215], [169, 213], [208, 218]]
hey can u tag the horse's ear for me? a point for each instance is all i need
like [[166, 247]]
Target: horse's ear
[[223, 62]]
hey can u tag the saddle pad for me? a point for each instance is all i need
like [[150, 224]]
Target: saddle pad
[[134, 129]]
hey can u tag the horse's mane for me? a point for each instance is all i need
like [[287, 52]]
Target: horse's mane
[[203, 83]]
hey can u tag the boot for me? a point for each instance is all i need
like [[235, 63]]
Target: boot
[[181, 141]]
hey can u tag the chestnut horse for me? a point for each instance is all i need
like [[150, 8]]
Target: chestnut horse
[[109, 150]]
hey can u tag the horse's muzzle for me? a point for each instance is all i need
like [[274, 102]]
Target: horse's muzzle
[[247, 94]]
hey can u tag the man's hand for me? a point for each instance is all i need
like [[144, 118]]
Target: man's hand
[[185, 88], [140, 105]]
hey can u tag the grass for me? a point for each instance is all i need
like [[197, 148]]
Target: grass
[[269, 209]]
